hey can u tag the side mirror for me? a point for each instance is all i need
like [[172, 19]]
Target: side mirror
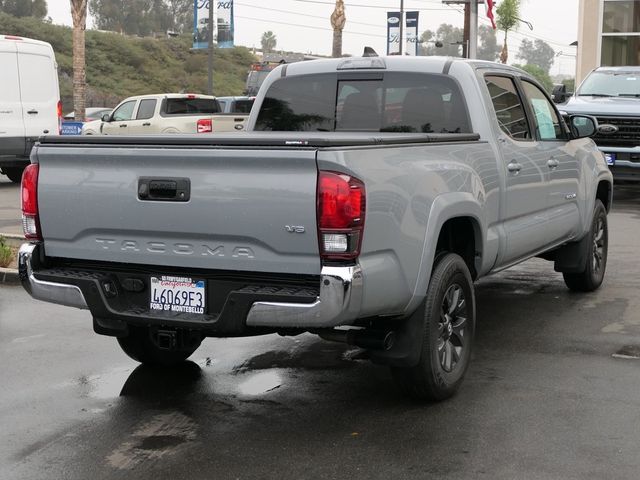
[[582, 126], [106, 117], [559, 94]]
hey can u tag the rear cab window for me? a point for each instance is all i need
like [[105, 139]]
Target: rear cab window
[[509, 110], [190, 106], [384, 102], [242, 106], [146, 109]]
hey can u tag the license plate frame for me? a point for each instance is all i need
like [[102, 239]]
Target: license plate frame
[[177, 294], [610, 158]]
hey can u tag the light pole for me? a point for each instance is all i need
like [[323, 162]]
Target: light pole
[[401, 24], [210, 48]]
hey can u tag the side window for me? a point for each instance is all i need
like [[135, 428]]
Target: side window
[[124, 111], [547, 121], [146, 109], [508, 107]]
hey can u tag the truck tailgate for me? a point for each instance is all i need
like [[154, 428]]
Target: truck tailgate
[[242, 205]]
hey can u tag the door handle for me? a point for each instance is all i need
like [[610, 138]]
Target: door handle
[[164, 189], [146, 124], [514, 167], [32, 112], [553, 163], [122, 125]]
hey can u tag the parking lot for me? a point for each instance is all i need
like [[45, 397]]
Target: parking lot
[[552, 392]]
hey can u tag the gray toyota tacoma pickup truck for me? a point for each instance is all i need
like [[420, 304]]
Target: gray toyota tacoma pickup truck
[[366, 198]]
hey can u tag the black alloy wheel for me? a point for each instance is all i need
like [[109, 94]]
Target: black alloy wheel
[[596, 262], [449, 322]]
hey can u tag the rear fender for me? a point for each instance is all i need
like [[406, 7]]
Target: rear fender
[[445, 207]]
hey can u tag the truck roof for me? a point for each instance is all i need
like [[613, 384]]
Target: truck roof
[[431, 64], [169, 95]]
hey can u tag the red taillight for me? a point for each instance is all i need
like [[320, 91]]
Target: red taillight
[[12, 37], [341, 203], [30, 219], [59, 117], [205, 125]]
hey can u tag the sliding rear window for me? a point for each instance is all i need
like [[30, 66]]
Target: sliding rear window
[[394, 102], [190, 106]]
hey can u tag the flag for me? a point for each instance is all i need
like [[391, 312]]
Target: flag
[[488, 4], [393, 33], [411, 45]]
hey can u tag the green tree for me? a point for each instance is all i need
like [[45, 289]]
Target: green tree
[[508, 13], [181, 15], [132, 17], [488, 48], [537, 53], [24, 8], [570, 83], [448, 36], [539, 74], [268, 42]]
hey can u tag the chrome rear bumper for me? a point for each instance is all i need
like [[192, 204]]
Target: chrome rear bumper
[[59, 293], [339, 303]]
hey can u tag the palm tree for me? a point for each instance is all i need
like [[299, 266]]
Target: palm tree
[[79, 15], [338, 19], [268, 42], [508, 13]]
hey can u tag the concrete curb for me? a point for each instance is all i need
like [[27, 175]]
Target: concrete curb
[[12, 239], [10, 275]]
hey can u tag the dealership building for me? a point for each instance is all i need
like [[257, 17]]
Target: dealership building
[[608, 34]]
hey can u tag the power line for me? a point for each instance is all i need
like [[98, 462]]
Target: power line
[[305, 14], [369, 34], [321, 2]]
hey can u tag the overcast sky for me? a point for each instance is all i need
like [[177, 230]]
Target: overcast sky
[[303, 25]]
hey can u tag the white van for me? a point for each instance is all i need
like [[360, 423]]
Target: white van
[[29, 100]]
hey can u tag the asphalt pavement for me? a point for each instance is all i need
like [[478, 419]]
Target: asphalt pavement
[[549, 394]]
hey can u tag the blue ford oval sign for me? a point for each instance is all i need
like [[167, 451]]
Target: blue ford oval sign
[[607, 129], [393, 20]]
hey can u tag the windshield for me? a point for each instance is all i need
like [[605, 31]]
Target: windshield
[[611, 84]]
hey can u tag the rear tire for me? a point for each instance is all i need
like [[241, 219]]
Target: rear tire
[[593, 274], [449, 324], [141, 345], [14, 173]]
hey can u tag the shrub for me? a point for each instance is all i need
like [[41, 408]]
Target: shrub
[[5, 253]]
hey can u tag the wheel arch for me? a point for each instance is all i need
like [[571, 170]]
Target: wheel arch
[[452, 215], [604, 193]]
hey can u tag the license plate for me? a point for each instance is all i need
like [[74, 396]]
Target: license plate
[[610, 158], [177, 294]]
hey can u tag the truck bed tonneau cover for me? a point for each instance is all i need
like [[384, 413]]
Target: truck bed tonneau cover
[[267, 139]]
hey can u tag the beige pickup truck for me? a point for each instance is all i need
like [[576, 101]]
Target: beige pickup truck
[[166, 113]]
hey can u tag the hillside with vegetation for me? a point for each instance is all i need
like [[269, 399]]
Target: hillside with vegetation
[[119, 66]]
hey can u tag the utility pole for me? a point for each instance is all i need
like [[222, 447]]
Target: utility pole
[[473, 29], [465, 35], [470, 35], [210, 55], [401, 25]]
